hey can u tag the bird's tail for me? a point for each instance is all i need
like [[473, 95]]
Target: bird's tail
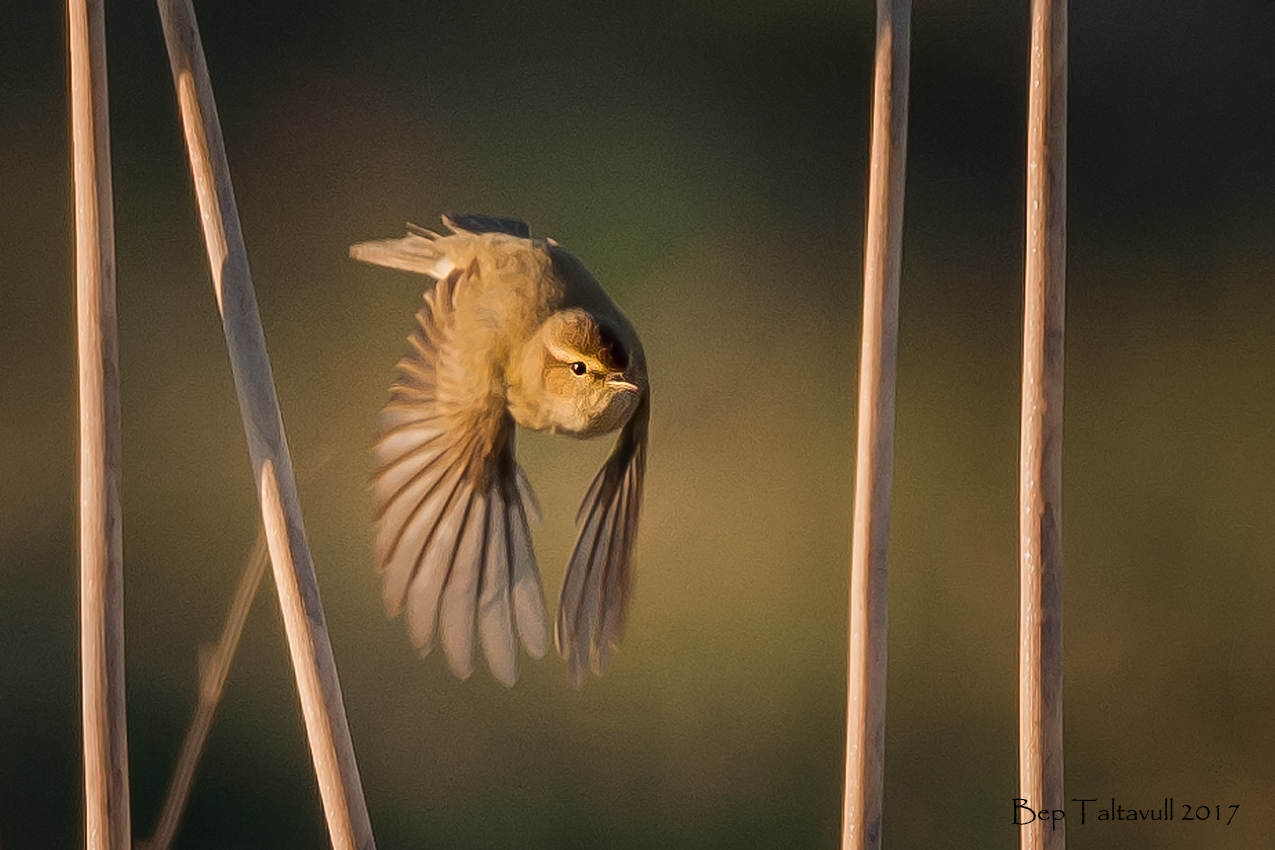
[[417, 252], [425, 252]]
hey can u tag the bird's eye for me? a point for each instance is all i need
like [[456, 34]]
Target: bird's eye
[[578, 368]]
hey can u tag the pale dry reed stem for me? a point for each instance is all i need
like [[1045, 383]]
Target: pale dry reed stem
[[327, 729], [106, 795], [212, 683], [874, 464], [1040, 740]]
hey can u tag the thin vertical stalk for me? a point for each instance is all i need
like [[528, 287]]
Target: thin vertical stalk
[[874, 467], [318, 687], [1040, 740], [106, 797], [212, 684]]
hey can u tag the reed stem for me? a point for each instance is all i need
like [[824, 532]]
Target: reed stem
[[1040, 739], [874, 464], [106, 791], [318, 686], [212, 684]]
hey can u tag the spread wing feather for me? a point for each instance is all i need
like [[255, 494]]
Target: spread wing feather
[[451, 507], [595, 592]]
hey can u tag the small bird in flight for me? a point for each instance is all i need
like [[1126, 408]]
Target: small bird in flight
[[516, 331]]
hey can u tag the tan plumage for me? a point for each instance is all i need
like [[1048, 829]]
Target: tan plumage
[[515, 331]]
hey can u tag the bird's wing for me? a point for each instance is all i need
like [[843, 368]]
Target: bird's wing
[[451, 509], [595, 592]]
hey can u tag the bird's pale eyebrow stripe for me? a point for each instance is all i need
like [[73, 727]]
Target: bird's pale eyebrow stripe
[[559, 353]]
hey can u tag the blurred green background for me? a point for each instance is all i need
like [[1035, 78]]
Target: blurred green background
[[707, 159]]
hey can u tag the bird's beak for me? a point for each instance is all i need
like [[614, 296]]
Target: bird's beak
[[616, 382]]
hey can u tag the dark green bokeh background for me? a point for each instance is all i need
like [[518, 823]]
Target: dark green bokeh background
[[707, 159]]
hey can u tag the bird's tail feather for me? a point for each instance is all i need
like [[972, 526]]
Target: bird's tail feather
[[416, 252]]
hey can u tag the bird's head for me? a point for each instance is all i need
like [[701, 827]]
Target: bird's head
[[591, 379]]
